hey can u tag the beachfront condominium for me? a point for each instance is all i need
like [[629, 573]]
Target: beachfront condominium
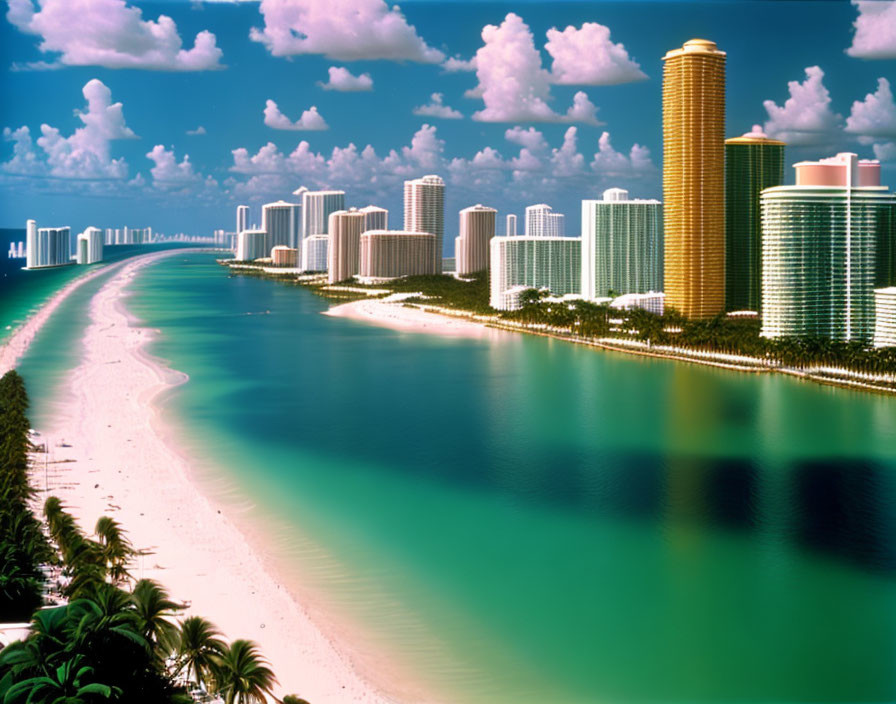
[[284, 256], [622, 245], [316, 209], [510, 226], [542, 221], [694, 178], [477, 227], [281, 220], [885, 317], [424, 211], [390, 254], [516, 263], [242, 218], [315, 253], [47, 246], [344, 252], [375, 218], [827, 242], [753, 162], [250, 245], [90, 246]]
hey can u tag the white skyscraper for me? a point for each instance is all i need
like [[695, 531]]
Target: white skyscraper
[[375, 218], [477, 227], [344, 248], [281, 220], [541, 221], [47, 246], [315, 252], [316, 209], [31, 244], [424, 210], [250, 245], [242, 218], [510, 228], [90, 246], [519, 263]]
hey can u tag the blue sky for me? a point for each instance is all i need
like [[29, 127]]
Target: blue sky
[[606, 68]]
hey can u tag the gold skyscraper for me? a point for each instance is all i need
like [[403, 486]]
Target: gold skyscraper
[[694, 178]]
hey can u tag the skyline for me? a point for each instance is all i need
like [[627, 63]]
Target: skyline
[[505, 164]]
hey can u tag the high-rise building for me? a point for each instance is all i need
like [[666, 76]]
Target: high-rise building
[[250, 245], [424, 211], [47, 246], [542, 221], [389, 254], [510, 226], [827, 242], [553, 263], [315, 253], [477, 227], [753, 163], [242, 218], [694, 178], [375, 218], [281, 220], [90, 246], [316, 209], [344, 254], [885, 317], [284, 256], [622, 245]]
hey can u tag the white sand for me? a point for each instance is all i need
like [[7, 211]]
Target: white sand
[[125, 465], [392, 313]]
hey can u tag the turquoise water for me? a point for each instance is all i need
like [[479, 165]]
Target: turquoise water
[[523, 520]]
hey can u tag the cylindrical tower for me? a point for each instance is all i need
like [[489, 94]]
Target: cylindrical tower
[[344, 252], [694, 178], [424, 211], [477, 227], [753, 163]]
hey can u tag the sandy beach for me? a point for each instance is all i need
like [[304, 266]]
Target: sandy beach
[[390, 312], [112, 454]]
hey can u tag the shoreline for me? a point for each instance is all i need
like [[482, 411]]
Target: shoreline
[[114, 454]]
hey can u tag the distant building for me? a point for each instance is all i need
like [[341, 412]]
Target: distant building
[[651, 301], [316, 209], [552, 263], [375, 218], [242, 218], [622, 245], [281, 222], [389, 254], [694, 178], [827, 242], [885, 317], [477, 227], [424, 211], [47, 246], [344, 254], [542, 221], [753, 163], [250, 245], [510, 226], [315, 252], [90, 246], [284, 256]]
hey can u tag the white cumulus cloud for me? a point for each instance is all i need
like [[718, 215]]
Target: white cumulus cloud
[[112, 34], [587, 56], [198, 131], [875, 116], [610, 163], [436, 108], [345, 30], [168, 171], [341, 79], [875, 36], [513, 84], [455, 64], [885, 151], [806, 117], [310, 119], [86, 153]]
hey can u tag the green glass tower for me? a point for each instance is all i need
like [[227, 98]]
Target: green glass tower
[[753, 162]]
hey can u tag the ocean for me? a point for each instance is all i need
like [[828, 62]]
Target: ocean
[[525, 520]]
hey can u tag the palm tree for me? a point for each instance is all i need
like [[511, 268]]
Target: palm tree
[[199, 649], [243, 676], [66, 684], [293, 699], [154, 612], [116, 548]]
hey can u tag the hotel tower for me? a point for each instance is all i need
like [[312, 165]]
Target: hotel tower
[[477, 227], [344, 251], [694, 178], [424, 211], [753, 163]]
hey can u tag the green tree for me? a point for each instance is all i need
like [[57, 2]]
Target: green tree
[[198, 650], [243, 675]]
